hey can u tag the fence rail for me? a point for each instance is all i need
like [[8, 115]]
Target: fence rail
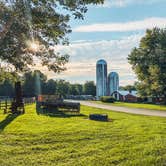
[[5, 103], [29, 100]]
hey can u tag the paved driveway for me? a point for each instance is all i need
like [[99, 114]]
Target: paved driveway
[[125, 109]]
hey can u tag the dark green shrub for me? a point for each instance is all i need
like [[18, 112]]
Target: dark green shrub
[[107, 99]]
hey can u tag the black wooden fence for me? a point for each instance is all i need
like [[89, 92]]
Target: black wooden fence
[[5, 102]]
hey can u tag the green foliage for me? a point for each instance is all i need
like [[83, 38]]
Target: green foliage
[[129, 140], [49, 87], [73, 90], [7, 80], [128, 87], [7, 88], [44, 22], [79, 89], [12, 76], [149, 63], [62, 87], [107, 99], [90, 88], [29, 84], [36, 82]]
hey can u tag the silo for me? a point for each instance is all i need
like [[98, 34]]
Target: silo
[[101, 78], [113, 83]]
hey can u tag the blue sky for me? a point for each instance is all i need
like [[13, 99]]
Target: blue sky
[[130, 12], [109, 32]]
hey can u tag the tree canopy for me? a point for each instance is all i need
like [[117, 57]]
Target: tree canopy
[[128, 87], [90, 88], [29, 27], [149, 63], [12, 76]]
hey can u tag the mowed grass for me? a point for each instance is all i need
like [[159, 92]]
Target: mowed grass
[[32, 139], [136, 105]]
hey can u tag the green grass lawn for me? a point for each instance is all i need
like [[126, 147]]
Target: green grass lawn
[[136, 105], [32, 139]]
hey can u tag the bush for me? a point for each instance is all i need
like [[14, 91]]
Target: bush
[[107, 99]]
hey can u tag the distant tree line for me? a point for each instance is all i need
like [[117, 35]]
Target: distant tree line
[[48, 86], [129, 87]]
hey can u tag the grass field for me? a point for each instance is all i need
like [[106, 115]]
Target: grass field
[[32, 139], [136, 105]]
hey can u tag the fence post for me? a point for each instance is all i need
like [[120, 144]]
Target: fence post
[[6, 104]]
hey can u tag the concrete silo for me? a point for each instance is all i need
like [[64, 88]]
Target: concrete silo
[[101, 78], [113, 83]]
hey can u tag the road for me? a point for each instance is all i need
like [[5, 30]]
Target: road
[[137, 111]]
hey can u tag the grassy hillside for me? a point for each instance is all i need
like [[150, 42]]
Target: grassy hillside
[[136, 105], [32, 139]]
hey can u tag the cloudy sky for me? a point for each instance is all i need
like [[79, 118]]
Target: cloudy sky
[[109, 32]]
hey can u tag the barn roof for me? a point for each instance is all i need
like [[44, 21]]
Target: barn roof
[[125, 92]]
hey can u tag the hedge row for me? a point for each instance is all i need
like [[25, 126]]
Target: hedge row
[[107, 99]]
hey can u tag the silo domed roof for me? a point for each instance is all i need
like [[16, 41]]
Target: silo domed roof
[[101, 61], [113, 74]]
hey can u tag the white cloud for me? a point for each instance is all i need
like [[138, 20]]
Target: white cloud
[[83, 57], [123, 3], [115, 3], [124, 27]]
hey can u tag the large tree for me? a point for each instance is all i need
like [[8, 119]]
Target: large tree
[[29, 27], [149, 63]]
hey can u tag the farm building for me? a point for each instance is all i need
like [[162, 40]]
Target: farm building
[[125, 96]]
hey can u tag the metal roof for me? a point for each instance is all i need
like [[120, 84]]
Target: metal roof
[[125, 92]]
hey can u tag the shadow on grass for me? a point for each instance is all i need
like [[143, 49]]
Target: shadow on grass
[[9, 118], [53, 112]]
